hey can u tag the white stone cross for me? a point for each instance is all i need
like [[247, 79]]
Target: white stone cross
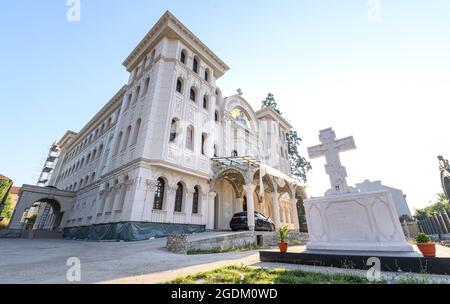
[[330, 148]]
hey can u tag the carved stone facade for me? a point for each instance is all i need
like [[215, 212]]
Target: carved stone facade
[[150, 148]]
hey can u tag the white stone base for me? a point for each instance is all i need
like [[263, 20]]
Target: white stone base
[[357, 222]]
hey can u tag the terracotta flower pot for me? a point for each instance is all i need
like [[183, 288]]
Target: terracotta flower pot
[[283, 247], [427, 249]]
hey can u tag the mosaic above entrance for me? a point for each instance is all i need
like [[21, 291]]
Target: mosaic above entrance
[[241, 117]]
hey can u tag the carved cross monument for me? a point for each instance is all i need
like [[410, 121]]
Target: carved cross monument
[[330, 148]]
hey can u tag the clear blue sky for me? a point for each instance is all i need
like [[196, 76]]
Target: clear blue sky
[[386, 82]]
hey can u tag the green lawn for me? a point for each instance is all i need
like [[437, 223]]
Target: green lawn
[[254, 275]]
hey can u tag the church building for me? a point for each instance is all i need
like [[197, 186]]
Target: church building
[[168, 153]]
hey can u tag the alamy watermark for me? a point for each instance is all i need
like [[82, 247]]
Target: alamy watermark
[[374, 273], [74, 272], [74, 10], [373, 10]]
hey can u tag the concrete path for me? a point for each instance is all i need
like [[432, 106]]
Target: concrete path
[[44, 261]]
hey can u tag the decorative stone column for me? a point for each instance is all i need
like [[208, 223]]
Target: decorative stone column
[[169, 203], [211, 200], [204, 207], [294, 213], [147, 208], [249, 190], [239, 204], [276, 209]]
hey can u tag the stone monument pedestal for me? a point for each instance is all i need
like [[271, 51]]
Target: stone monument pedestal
[[355, 223]]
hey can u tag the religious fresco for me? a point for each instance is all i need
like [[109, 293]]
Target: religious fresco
[[241, 117]]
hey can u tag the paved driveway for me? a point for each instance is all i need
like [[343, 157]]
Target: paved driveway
[[44, 261]]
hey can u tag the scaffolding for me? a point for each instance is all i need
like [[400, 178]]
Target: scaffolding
[[49, 165], [44, 213]]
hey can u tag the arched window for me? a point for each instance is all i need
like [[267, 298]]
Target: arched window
[[93, 177], [119, 139], [136, 132], [192, 95], [205, 102], [179, 85], [216, 116], [204, 137], [159, 194], [206, 75], [190, 138], [146, 85], [173, 130], [195, 200], [126, 138], [183, 57], [179, 198], [127, 104], [234, 153], [216, 153], [100, 150], [138, 91], [195, 65]]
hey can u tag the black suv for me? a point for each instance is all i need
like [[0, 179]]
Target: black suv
[[262, 223]]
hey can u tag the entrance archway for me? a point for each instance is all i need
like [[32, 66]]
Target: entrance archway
[[43, 206], [228, 185], [48, 215]]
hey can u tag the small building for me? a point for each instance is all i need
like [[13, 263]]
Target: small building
[[397, 195]]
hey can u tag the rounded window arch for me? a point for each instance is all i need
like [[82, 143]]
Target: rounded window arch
[[183, 57], [136, 132], [216, 116], [190, 137], [205, 102], [179, 86], [126, 138], [173, 130], [195, 64], [193, 94], [195, 200], [179, 198], [206, 76], [159, 194], [204, 139]]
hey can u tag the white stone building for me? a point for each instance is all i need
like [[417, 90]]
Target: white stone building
[[397, 195], [169, 152]]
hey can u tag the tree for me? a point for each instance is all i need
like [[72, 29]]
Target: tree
[[299, 165], [270, 102], [440, 205]]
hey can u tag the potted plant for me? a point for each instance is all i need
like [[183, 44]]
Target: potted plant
[[283, 234], [425, 245]]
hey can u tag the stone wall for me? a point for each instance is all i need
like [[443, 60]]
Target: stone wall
[[295, 238], [177, 243]]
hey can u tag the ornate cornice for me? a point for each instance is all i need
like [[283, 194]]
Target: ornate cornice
[[172, 26]]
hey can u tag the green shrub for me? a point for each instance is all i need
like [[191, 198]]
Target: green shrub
[[283, 233], [422, 238]]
